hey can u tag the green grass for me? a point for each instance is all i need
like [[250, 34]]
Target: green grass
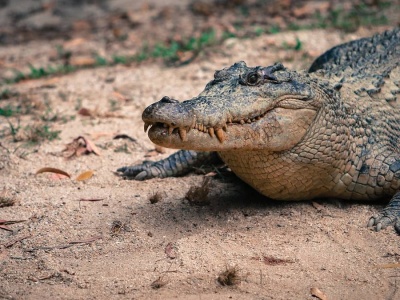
[[39, 133], [123, 149], [166, 51], [7, 94], [13, 130], [7, 111], [297, 47], [39, 72], [31, 134], [101, 61], [114, 105], [169, 52], [120, 59], [274, 29]]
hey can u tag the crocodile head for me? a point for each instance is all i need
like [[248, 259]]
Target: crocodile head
[[242, 108]]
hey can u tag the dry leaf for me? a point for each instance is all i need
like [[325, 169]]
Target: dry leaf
[[55, 176], [124, 136], [71, 149], [120, 96], [85, 112], [170, 251], [80, 146], [316, 292], [80, 151], [52, 170], [85, 175], [91, 147]]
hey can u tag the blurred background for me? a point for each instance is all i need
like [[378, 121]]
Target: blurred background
[[107, 32]]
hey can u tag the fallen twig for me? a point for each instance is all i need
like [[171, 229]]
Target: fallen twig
[[91, 200], [70, 244], [16, 240], [4, 223]]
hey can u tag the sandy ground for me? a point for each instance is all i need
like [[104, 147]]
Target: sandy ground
[[125, 247]]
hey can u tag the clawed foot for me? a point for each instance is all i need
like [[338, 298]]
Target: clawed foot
[[177, 164], [383, 220], [143, 171]]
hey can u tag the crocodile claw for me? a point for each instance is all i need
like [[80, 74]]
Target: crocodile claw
[[383, 220], [139, 172]]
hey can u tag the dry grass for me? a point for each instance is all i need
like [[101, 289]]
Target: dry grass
[[199, 195], [229, 277]]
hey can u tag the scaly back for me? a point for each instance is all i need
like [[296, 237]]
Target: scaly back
[[370, 65]]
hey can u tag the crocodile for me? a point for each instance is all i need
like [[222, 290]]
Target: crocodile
[[330, 131]]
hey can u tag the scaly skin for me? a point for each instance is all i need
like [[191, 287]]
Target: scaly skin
[[331, 132]]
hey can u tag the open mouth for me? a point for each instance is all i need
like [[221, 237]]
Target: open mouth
[[219, 131]]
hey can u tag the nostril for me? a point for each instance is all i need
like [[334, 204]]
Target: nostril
[[167, 99]]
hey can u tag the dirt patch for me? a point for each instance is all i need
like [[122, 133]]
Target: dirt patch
[[102, 236]]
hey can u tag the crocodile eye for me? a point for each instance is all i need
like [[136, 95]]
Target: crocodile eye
[[252, 78]]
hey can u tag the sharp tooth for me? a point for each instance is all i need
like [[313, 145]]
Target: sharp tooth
[[211, 131], [182, 134], [248, 121], [220, 135], [146, 126], [205, 130], [200, 127], [230, 120], [242, 122], [170, 129]]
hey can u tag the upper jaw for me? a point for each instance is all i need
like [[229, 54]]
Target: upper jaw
[[181, 117]]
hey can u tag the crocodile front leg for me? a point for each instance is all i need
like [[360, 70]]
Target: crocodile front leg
[[177, 164], [390, 215]]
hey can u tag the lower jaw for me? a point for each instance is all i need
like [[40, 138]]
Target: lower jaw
[[196, 140]]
